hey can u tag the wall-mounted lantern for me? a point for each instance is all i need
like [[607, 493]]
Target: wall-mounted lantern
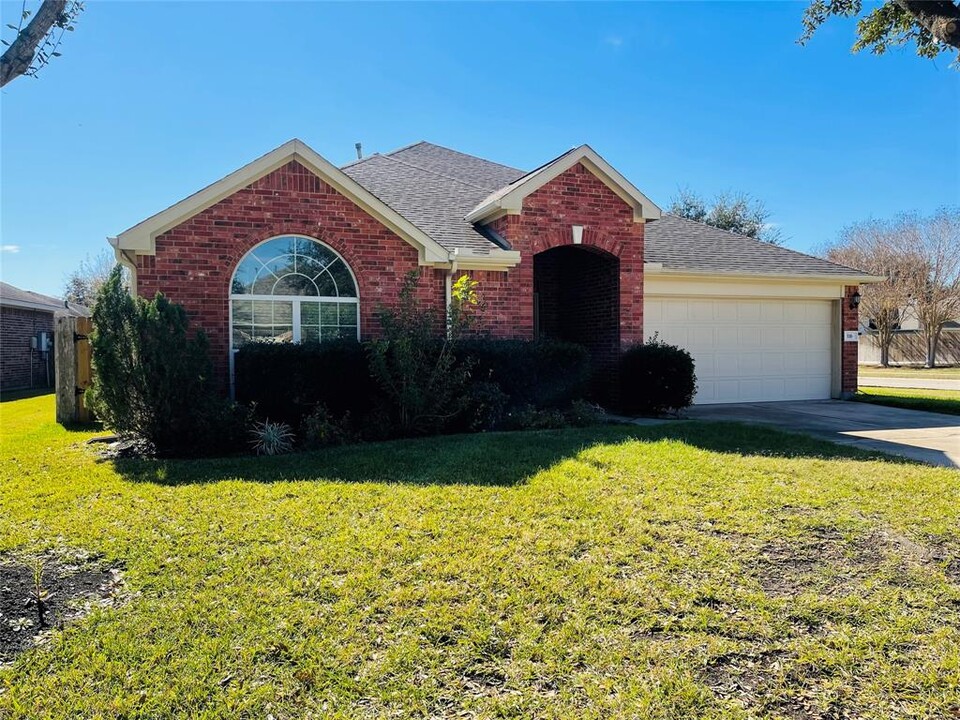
[[855, 300]]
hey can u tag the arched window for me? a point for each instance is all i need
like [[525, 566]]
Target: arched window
[[292, 289]]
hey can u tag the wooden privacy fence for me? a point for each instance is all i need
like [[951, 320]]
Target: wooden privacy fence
[[72, 368]]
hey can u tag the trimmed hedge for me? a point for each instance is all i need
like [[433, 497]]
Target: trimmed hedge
[[655, 378], [288, 381], [546, 374]]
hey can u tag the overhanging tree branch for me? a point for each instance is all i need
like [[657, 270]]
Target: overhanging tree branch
[[941, 18], [19, 56]]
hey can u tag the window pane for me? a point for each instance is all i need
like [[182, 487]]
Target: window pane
[[315, 251], [295, 285], [326, 286], [309, 334], [242, 312], [244, 276], [278, 246], [263, 312], [263, 285], [329, 314], [310, 313], [283, 312], [344, 281], [242, 334], [348, 331], [348, 314]]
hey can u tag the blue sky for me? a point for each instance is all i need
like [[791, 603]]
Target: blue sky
[[152, 101]]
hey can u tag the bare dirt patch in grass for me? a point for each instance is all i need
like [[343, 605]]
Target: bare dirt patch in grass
[[43, 593]]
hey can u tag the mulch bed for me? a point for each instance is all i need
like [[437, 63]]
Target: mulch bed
[[69, 588]]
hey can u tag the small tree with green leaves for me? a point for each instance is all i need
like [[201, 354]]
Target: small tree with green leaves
[[151, 380], [414, 362], [734, 212]]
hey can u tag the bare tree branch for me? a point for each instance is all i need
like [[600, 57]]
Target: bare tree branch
[[19, 56]]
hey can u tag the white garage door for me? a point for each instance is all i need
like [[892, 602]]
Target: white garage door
[[749, 350]]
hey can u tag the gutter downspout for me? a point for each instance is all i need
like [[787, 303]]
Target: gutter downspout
[[125, 259], [448, 285]]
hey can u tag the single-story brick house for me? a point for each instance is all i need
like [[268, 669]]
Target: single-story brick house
[[25, 362], [290, 247]]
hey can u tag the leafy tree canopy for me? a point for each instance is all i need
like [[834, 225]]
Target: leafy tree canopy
[[932, 25], [737, 213]]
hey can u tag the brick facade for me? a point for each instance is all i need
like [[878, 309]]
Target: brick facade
[[20, 365], [576, 197], [601, 278], [849, 351], [194, 262]]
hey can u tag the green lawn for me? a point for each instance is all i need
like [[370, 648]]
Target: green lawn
[[941, 401], [911, 371], [677, 571]]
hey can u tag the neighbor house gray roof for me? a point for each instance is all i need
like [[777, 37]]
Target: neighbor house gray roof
[[435, 188], [11, 296]]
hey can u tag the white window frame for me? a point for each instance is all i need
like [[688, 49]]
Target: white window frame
[[296, 300]]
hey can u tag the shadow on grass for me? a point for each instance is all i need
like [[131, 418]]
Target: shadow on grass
[[489, 459], [11, 395], [929, 403]]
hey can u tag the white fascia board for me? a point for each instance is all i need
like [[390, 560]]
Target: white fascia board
[[141, 238], [494, 262], [851, 279], [511, 202]]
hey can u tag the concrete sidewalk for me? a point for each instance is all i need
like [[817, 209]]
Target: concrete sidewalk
[[921, 383], [927, 437]]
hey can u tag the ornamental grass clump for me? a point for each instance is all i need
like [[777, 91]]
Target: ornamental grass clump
[[271, 438]]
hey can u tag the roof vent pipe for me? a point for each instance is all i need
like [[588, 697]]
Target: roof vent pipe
[[359, 147]]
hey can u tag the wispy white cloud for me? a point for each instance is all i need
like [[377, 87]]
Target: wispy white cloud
[[10, 248], [613, 40]]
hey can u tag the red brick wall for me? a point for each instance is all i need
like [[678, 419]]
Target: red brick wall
[[850, 320], [577, 197], [195, 261], [17, 360]]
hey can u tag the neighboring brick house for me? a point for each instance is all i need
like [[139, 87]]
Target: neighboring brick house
[[292, 248], [24, 363]]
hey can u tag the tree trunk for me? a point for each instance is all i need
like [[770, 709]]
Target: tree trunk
[[940, 17], [885, 354], [19, 56]]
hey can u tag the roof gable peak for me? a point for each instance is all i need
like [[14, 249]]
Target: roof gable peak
[[509, 199]]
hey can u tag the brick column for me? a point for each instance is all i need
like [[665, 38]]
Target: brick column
[[849, 351]]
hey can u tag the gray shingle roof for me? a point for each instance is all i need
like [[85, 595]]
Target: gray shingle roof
[[14, 296], [682, 244], [435, 188]]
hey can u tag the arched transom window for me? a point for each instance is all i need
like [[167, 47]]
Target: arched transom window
[[292, 289]]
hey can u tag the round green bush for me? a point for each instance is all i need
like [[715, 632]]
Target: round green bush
[[655, 378]]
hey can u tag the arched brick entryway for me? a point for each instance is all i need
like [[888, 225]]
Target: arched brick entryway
[[577, 299]]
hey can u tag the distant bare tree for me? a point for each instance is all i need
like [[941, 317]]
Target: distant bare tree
[[879, 248], [935, 289], [83, 284]]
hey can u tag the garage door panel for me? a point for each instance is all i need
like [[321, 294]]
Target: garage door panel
[[750, 350]]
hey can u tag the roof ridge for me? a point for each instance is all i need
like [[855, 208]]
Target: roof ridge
[[763, 242], [434, 172], [458, 152]]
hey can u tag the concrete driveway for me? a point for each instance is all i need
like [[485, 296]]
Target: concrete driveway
[[928, 437]]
